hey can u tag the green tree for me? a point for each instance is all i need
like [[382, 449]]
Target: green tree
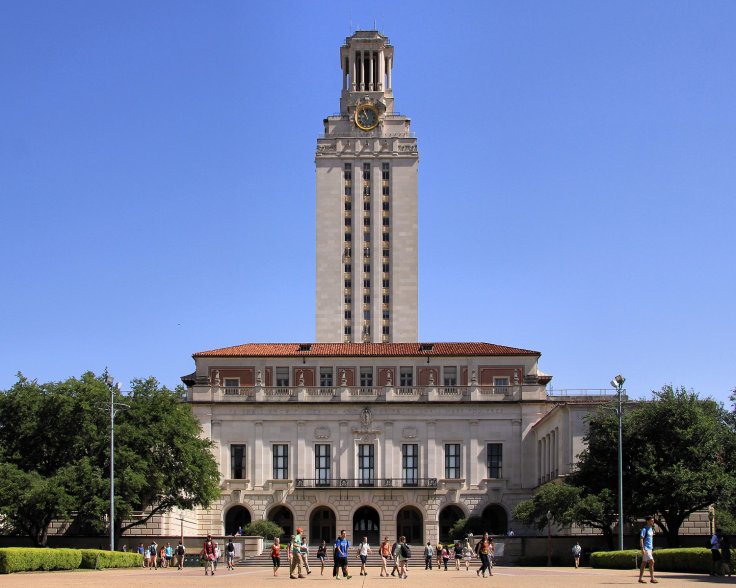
[[556, 499], [267, 529], [679, 457], [54, 445]]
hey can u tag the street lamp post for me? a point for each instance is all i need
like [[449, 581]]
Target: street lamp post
[[549, 538], [114, 406], [618, 385], [711, 516]]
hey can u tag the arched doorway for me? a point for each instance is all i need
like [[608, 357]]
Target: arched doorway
[[410, 524], [236, 517], [496, 520], [448, 517], [322, 526], [366, 523], [284, 518]]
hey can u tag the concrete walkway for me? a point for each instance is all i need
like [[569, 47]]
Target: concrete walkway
[[512, 577]]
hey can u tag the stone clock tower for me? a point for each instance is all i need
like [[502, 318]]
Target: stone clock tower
[[366, 205]]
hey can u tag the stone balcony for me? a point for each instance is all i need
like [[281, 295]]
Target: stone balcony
[[365, 394]]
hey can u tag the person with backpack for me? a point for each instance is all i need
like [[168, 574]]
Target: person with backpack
[[715, 553], [402, 556], [153, 550], [646, 544], [322, 556], [363, 550], [445, 556], [230, 554], [576, 551], [428, 556], [180, 552]]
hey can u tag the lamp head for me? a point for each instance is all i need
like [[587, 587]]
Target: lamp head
[[619, 380]]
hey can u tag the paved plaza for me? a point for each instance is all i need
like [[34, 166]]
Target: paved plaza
[[512, 577]]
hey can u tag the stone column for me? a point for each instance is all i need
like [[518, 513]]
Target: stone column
[[352, 71], [472, 475], [259, 476], [342, 453], [370, 70], [431, 450], [381, 70], [300, 447], [390, 67], [388, 451]]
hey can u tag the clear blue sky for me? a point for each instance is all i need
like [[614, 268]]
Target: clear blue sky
[[577, 180]]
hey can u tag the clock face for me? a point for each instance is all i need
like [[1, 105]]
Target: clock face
[[366, 117]]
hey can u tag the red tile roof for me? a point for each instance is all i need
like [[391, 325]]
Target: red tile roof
[[363, 350]]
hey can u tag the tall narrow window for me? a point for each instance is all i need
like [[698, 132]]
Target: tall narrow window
[[366, 376], [325, 373], [282, 376], [449, 376], [501, 385], [322, 463], [410, 464], [495, 459], [452, 460], [237, 462], [406, 377], [280, 461], [366, 464]]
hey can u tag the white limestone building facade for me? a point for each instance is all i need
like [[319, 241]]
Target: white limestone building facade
[[367, 429]]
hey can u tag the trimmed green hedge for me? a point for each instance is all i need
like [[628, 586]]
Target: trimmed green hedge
[[97, 559], [24, 559], [690, 559]]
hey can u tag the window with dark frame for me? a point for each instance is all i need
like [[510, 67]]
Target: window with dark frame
[[366, 464], [410, 464], [494, 453], [237, 462], [280, 461], [322, 464], [452, 461]]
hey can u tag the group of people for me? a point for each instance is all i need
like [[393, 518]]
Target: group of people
[[163, 557], [211, 554], [394, 555], [484, 550]]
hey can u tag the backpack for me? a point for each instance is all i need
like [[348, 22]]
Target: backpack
[[230, 547], [405, 551], [180, 550]]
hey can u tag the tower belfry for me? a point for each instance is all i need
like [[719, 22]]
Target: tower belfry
[[366, 166]]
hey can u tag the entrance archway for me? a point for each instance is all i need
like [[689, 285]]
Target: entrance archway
[[322, 526], [366, 523], [410, 524], [236, 517], [448, 517], [284, 518], [496, 520]]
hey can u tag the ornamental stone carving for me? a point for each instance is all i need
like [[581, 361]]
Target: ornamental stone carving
[[409, 432], [322, 433]]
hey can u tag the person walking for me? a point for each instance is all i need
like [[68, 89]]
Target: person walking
[[458, 552], [276, 555], [153, 550], [445, 556], [218, 554], [467, 554], [295, 552], [394, 556], [385, 550], [363, 550], [230, 554], [725, 555], [646, 544], [180, 552], [305, 554], [428, 556], [715, 553], [576, 551], [146, 555], [341, 556], [208, 553], [321, 556], [402, 557], [484, 548]]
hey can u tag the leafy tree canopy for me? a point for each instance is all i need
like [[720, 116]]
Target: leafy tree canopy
[[54, 444], [679, 457]]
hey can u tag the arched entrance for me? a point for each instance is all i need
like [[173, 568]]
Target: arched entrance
[[448, 517], [236, 517], [366, 523], [322, 525], [410, 524], [496, 520], [284, 518]]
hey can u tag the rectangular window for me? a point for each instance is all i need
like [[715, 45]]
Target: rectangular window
[[386, 268], [386, 237], [366, 298], [385, 221], [348, 221], [501, 385], [366, 377], [348, 315], [237, 462], [367, 237], [449, 376], [348, 171], [410, 464], [367, 205], [348, 283], [348, 330], [325, 376], [280, 461], [452, 460], [366, 283], [366, 464], [348, 204], [385, 172], [386, 330], [386, 283], [367, 190], [348, 299], [366, 315], [348, 268], [348, 192], [384, 190], [385, 314], [386, 298], [367, 267], [367, 221], [494, 453], [386, 205], [348, 236], [233, 384], [322, 464], [282, 376], [366, 171], [406, 377], [366, 252], [385, 252]]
